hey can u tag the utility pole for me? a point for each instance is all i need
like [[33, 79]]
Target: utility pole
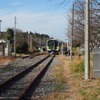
[[71, 45], [15, 37], [62, 48], [87, 57], [0, 25], [90, 16], [67, 44]]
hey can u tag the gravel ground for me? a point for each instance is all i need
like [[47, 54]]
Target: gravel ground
[[18, 87], [7, 71], [47, 84]]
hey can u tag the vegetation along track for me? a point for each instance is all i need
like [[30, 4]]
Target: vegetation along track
[[17, 87]]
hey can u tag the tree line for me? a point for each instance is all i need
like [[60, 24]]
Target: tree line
[[26, 42]]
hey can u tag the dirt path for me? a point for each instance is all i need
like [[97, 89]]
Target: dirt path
[[68, 76]]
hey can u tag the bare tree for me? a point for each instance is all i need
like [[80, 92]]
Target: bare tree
[[79, 20]]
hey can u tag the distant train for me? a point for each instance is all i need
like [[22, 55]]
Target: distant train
[[53, 46]]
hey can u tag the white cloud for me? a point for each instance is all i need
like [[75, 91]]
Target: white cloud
[[52, 24], [15, 3]]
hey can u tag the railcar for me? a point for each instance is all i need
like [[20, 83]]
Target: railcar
[[53, 46]]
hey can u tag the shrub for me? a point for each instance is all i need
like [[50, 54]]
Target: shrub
[[78, 67]]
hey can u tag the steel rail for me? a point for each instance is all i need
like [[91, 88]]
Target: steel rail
[[35, 80], [19, 75]]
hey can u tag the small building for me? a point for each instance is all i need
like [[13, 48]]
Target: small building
[[4, 48]]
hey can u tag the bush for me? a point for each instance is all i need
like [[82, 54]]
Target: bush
[[78, 67]]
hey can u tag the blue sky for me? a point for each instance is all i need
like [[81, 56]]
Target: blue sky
[[42, 16]]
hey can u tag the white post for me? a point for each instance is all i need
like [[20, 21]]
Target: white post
[[87, 59], [0, 25], [15, 37], [62, 48]]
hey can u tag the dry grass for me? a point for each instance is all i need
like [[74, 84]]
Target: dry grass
[[5, 60], [63, 89], [80, 89], [85, 89]]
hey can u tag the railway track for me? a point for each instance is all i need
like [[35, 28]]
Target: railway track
[[17, 87]]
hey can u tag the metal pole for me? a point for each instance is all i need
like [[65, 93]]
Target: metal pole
[[67, 44], [0, 25], [87, 58], [72, 32], [15, 36], [62, 47]]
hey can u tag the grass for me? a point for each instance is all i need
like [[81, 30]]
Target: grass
[[60, 83], [60, 78], [59, 87], [90, 90], [84, 89], [78, 67], [72, 73], [57, 96]]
